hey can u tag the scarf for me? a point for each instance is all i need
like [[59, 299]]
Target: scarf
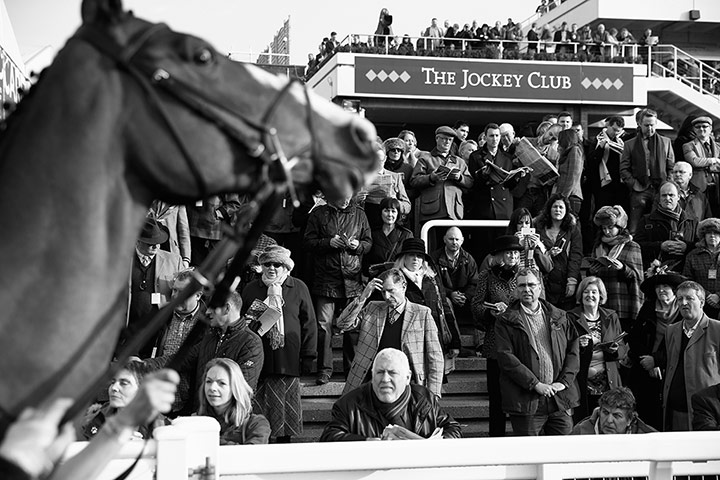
[[672, 215], [612, 246], [394, 413], [642, 168], [275, 299], [415, 277]]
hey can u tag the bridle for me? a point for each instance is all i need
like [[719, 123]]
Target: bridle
[[266, 146], [266, 200]]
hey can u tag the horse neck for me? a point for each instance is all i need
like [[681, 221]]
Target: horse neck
[[68, 204]]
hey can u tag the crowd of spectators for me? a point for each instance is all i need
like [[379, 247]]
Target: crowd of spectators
[[632, 307]]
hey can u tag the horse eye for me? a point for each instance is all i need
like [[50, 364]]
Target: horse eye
[[203, 56]]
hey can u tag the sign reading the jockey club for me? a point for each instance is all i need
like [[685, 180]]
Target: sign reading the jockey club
[[493, 79]]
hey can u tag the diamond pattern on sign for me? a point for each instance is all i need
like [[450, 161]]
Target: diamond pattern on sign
[[586, 83], [371, 75], [607, 84], [618, 84], [393, 76], [597, 83], [382, 75], [404, 77]]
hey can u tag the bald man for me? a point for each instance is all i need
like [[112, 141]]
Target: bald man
[[458, 272], [389, 407], [692, 200]]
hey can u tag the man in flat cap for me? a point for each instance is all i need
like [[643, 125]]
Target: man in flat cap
[[441, 178], [704, 156]]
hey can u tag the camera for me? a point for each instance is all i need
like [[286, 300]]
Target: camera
[[527, 231]]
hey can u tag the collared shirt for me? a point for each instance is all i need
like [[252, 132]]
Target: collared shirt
[[690, 331], [144, 259], [452, 258], [395, 313]]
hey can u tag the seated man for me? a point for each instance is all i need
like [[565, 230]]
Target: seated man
[[706, 408], [389, 407], [616, 413]]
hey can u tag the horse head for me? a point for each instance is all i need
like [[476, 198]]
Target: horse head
[[217, 114]]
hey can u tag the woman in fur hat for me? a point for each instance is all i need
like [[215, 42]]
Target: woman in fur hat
[[289, 347], [617, 261], [702, 263]]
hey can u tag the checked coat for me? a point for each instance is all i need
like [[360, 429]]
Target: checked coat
[[419, 341]]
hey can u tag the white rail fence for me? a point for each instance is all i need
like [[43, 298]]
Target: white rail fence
[[660, 456]]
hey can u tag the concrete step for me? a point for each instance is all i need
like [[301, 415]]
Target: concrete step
[[458, 383], [467, 339], [317, 409], [461, 363]]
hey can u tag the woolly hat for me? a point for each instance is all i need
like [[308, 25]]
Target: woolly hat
[[611, 216], [276, 253], [708, 225], [394, 142]]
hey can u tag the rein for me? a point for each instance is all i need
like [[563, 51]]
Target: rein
[[263, 205]]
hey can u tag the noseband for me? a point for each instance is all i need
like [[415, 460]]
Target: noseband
[[266, 147]]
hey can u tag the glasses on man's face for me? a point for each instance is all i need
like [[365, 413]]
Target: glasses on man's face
[[272, 264]]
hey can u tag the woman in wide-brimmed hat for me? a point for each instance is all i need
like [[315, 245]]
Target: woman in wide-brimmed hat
[[495, 292], [617, 261], [646, 340], [702, 264], [424, 287], [601, 353]]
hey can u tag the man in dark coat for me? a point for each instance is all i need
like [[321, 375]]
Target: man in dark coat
[[667, 233], [206, 219], [646, 162], [537, 351], [228, 337], [490, 197], [706, 408], [389, 407], [337, 236], [458, 272]]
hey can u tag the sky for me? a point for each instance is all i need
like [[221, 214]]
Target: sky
[[247, 26]]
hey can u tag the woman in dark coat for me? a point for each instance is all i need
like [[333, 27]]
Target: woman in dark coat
[[289, 346], [495, 292], [601, 350], [560, 234], [227, 397], [386, 239], [646, 342]]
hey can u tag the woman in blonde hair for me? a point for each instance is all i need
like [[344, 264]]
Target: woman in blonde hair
[[227, 397]]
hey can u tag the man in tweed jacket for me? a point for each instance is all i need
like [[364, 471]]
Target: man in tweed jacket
[[396, 323]]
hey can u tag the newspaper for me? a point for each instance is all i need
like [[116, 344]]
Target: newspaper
[[265, 314], [529, 156]]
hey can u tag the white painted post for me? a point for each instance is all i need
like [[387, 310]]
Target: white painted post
[[185, 445]]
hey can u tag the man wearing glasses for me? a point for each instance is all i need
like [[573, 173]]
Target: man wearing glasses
[[441, 178], [704, 156], [537, 352]]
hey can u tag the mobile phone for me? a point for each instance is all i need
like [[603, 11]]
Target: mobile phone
[[563, 241], [527, 231]]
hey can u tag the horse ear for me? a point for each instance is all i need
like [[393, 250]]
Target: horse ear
[[101, 11]]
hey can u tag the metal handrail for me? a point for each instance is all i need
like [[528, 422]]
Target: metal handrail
[[705, 75], [442, 43]]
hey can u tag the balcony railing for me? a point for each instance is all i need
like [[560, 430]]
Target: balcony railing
[[670, 61]]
